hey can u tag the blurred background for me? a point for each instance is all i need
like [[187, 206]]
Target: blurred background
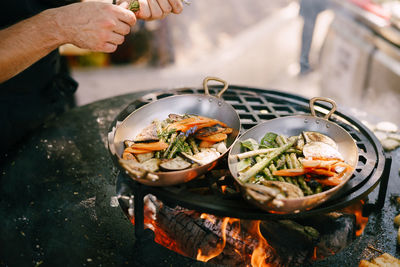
[[348, 50]]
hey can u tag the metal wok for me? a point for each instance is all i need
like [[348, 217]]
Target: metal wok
[[292, 126], [203, 105]]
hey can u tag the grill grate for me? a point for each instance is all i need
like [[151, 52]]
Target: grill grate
[[254, 106]]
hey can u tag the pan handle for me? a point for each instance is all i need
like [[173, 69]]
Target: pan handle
[[324, 99], [205, 85]]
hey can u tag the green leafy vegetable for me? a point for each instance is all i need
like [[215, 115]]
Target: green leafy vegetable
[[243, 164], [250, 144], [268, 140]]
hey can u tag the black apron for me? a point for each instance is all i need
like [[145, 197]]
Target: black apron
[[37, 94]]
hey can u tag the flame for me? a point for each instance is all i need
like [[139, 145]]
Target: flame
[[206, 216], [361, 221], [314, 256], [223, 188], [259, 255], [220, 246]]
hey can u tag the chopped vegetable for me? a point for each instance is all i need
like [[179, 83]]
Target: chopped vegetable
[[153, 146], [264, 162], [282, 159], [206, 144], [136, 150], [213, 138], [200, 138], [250, 144], [254, 153], [268, 140], [175, 164]]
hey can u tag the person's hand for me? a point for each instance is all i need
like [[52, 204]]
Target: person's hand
[[94, 25], [157, 9]]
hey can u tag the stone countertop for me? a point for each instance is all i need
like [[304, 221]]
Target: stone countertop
[[56, 190]]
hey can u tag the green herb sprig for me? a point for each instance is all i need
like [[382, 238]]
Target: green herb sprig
[[134, 6]]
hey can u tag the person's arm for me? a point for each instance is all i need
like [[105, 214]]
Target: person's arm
[[92, 25]]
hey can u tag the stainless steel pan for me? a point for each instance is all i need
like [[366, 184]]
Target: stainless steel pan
[[292, 126], [204, 105]]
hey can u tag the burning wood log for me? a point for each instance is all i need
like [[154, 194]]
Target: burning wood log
[[232, 242], [293, 241], [193, 232]]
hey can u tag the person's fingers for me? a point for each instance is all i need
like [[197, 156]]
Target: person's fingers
[[165, 6], [144, 12], [176, 5], [122, 28], [156, 12], [125, 15], [124, 4], [109, 48], [116, 38]]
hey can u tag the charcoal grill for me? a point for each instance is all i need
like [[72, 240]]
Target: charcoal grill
[[254, 106]]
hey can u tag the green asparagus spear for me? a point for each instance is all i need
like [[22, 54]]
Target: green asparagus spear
[[193, 145], [171, 144], [273, 168], [303, 185], [244, 177]]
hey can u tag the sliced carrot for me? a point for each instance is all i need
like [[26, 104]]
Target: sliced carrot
[[205, 119], [213, 138], [207, 131], [153, 146], [331, 181], [228, 130], [199, 121], [136, 150], [206, 144], [290, 172], [322, 172]]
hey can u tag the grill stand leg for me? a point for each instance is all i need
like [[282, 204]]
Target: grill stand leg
[[139, 210], [384, 183]]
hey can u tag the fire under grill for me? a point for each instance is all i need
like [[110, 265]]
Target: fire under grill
[[216, 193]]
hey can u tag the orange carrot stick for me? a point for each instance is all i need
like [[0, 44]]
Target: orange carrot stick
[[136, 150], [290, 172], [213, 138], [153, 146], [322, 172]]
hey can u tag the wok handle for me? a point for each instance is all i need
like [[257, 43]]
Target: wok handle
[[205, 85], [324, 99]]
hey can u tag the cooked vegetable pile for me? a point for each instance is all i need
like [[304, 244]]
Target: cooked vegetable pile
[[178, 142], [310, 161]]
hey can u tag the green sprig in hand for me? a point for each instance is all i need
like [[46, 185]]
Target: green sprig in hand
[[134, 6]]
